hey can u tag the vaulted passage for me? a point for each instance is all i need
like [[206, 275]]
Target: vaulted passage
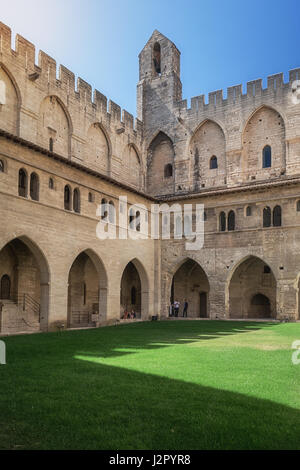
[[87, 291], [190, 284], [24, 287], [252, 290], [130, 292]]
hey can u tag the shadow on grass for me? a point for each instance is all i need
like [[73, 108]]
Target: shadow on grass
[[94, 406], [114, 340], [49, 400], [152, 336]]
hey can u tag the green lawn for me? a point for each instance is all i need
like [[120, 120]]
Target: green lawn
[[159, 385]]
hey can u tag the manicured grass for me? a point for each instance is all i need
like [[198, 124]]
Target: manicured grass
[[161, 385]]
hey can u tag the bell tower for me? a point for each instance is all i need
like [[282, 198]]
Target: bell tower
[[159, 84]]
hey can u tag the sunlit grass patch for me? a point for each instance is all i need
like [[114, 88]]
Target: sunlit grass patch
[[158, 385]]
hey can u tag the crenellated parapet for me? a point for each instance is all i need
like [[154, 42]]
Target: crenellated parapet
[[48, 106], [218, 140], [76, 107], [235, 95]]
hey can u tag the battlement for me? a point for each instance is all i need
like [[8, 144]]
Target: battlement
[[48, 76], [254, 88]]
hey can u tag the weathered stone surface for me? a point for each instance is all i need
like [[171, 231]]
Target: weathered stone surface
[[51, 254]]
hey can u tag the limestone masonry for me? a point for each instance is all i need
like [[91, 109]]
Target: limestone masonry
[[65, 149]]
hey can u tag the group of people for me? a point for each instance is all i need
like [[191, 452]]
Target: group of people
[[174, 308], [129, 315]]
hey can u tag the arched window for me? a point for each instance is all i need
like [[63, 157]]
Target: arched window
[[138, 221], [222, 220], [131, 219], [111, 212], [277, 216], [231, 220], [51, 144], [76, 200], [213, 162], [298, 206], [67, 198], [133, 295], [156, 58], [104, 211], [22, 183], [34, 186], [248, 211], [267, 157], [1, 166], [267, 217], [168, 172], [51, 183]]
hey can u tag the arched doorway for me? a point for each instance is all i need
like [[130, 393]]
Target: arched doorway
[[24, 289], [252, 290], [134, 290], [131, 291], [5, 287], [87, 291], [190, 284], [260, 306]]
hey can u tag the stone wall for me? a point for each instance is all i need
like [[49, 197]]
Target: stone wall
[[40, 103], [58, 133], [235, 128]]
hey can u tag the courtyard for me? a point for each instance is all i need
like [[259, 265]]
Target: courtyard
[[154, 385]]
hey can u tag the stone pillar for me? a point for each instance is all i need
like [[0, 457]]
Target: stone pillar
[[286, 299]]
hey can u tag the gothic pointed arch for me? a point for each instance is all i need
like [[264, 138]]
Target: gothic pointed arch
[[134, 275], [98, 148], [24, 263], [263, 144], [251, 289], [190, 284], [131, 165], [10, 101], [87, 291], [160, 153], [208, 155], [54, 126]]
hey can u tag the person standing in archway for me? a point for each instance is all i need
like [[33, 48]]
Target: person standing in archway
[[176, 307], [185, 308]]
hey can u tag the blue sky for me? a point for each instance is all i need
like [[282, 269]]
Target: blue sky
[[222, 43]]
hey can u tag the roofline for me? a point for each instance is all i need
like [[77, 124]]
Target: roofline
[[243, 187], [78, 166]]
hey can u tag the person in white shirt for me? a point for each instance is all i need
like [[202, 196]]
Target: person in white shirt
[[176, 307]]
